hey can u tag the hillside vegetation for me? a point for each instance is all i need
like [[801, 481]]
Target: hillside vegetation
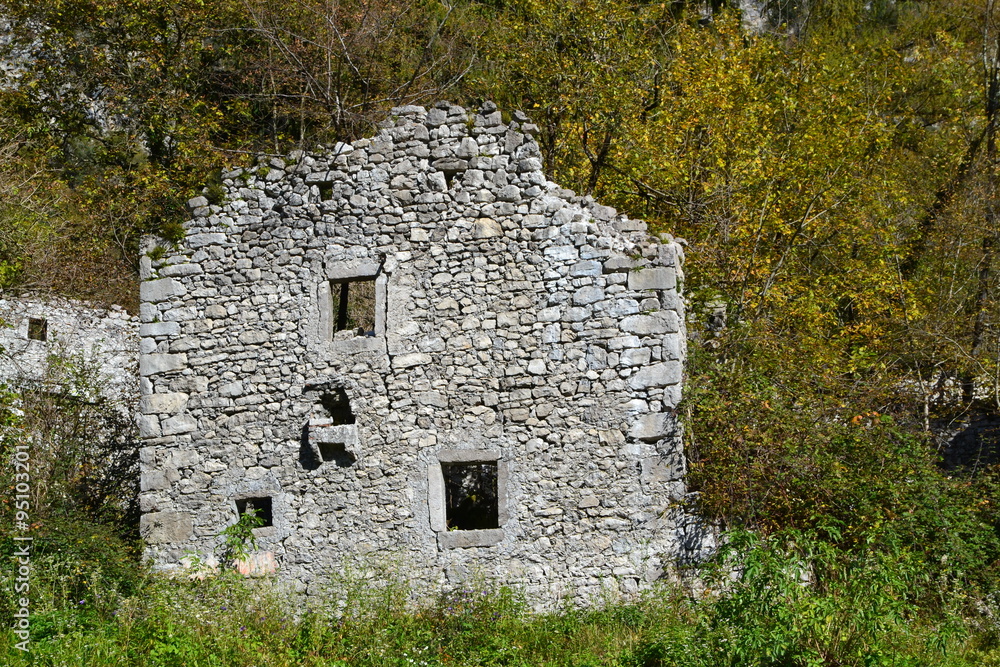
[[834, 174]]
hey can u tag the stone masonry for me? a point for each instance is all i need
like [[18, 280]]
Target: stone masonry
[[104, 342], [507, 410]]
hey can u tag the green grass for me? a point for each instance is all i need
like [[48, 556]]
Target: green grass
[[767, 615], [787, 600]]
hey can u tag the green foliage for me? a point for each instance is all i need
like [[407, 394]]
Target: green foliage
[[332, 70], [799, 458], [586, 72], [214, 191], [788, 600], [799, 600], [795, 599], [81, 574], [83, 500], [84, 447], [238, 540]]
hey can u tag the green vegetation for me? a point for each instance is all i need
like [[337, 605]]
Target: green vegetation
[[795, 601], [835, 177]]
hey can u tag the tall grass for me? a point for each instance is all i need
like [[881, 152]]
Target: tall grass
[[782, 601]]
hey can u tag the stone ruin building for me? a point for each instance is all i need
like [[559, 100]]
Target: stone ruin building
[[417, 346], [102, 341]]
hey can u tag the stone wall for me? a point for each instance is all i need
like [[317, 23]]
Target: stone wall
[[516, 330], [105, 342]]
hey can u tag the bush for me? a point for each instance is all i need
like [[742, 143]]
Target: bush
[[772, 452]]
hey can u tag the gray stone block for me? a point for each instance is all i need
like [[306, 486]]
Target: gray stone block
[[622, 263], [635, 356], [410, 360], [486, 228], [202, 240], [588, 267], [232, 390], [149, 426], [153, 480], [651, 427], [160, 329], [163, 403], [464, 539], [657, 375], [179, 424], [254, 337], [657, 323], [181, 270], [155, 291], [215, 312], [433, 398], [662, 278], [152, 364], [181, 314], [166, 527], [536, 367], [588, 295]]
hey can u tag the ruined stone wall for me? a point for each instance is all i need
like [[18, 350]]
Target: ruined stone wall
[[516, 327], [103, 342]]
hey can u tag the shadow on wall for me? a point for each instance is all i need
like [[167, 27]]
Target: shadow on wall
[[330, 435], [972, 444]]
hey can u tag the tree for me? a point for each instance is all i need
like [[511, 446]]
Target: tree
[[331, 69], [585, 72]]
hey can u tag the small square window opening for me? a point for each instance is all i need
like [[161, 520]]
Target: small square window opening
[[262, 506], [471, 495], [353, 306], [337, 406], [38, 328]]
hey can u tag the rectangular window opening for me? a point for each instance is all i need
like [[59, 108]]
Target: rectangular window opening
[[471, 495], [262, 506], [353, 306], [325, 190], [337, 453], [38, 328]]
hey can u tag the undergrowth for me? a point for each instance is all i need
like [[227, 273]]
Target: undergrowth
[[790, 599]]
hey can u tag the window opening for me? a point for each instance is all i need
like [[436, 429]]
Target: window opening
[[325, 191], [471, 495], [337, 453], [38, 328], [354, 305], [337, 406], [262, 506]]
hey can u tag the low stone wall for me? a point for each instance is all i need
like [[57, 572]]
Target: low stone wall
[[104, 341]]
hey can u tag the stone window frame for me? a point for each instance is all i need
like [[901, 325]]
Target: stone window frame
[[351, 271], [262, 531], [451, 539]]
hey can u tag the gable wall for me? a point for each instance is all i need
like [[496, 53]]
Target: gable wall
[[521, 324]]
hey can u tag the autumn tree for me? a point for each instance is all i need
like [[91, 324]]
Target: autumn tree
[[331, 69], [586, 73]]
